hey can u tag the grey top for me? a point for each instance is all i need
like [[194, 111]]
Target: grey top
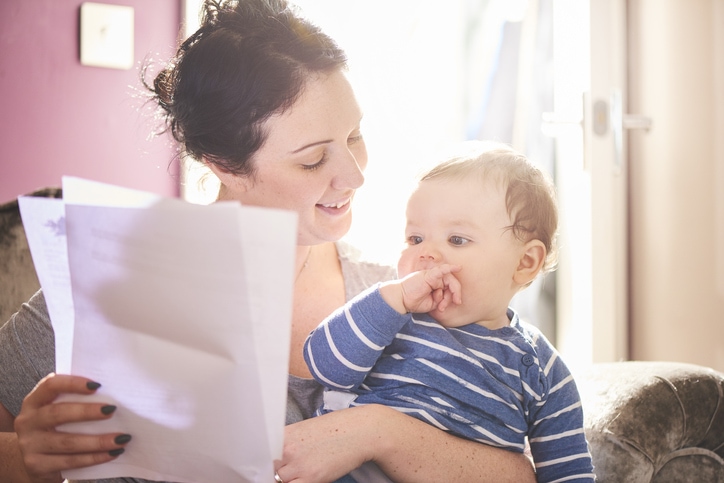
[[27, 346]]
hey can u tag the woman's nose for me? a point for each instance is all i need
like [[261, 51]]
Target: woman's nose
[[350, 175]]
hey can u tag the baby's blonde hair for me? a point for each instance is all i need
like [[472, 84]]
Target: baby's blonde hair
[[530, 195]]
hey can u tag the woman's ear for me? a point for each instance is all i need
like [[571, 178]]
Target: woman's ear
[[531, 262], [227, 178]]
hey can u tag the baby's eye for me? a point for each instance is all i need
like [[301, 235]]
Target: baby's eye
[[414, 239], [458, 240]]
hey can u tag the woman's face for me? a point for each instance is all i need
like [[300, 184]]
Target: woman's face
[[312, 160]]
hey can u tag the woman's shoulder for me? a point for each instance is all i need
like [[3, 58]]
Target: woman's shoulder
[[28, 352], [360, 272]]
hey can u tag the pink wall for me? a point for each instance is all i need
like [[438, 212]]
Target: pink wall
[[59, 117]]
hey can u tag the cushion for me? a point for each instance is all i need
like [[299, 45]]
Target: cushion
[[18, 281], [654, 421]]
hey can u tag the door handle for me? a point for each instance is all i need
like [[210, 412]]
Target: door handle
[[634, 121], [621, 121], [604, 114]]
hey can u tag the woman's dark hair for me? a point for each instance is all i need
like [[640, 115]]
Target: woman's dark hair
[[248, 60]]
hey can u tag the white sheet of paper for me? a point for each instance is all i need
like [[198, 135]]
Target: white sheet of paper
[[268, 246], [44, 221], [183, 313], [79, 191]]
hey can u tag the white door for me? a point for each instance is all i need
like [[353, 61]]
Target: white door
[[589, 126]]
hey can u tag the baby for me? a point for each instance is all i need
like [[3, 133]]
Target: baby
[[441, 343]]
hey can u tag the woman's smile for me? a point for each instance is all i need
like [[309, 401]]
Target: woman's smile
[[336, 208]]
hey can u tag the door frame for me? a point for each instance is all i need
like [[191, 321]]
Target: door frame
[[591, 174]]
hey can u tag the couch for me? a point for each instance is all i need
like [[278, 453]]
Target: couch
[[18, 281], [654, 421], [646, 422]]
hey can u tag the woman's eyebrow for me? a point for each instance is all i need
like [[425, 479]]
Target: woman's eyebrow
[[326, 141]]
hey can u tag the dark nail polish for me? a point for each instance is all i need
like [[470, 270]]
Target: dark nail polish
[[92, 385], [122, 439], [108, 409], [116, 452]]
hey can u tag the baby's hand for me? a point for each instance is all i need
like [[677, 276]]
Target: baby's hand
[[431, 289]]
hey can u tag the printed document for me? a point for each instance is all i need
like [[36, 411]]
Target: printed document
[[182, 312]]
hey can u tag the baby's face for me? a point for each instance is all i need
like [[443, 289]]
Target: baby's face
[[464, 222]]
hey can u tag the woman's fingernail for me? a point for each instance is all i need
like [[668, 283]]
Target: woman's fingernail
[[92, 385], [122, 439], [116, 452], [108, 409]]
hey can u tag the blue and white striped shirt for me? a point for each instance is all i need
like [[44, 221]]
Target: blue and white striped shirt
[[493, 386]]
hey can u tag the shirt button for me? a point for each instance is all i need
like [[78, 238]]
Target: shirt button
[[527, 360]]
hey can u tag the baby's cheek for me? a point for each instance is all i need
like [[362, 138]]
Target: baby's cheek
[[404, 266]]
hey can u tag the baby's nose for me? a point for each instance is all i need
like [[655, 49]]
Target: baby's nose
[[428, 259]]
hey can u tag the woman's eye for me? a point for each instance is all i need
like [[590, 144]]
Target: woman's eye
[[317, 165], [458, 240], [414, 240], [354, 139]]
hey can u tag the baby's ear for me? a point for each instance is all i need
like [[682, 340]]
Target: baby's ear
[[531, 262]]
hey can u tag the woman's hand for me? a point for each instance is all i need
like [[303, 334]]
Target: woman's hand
[[324, 448], [46, 451], [407, 450]]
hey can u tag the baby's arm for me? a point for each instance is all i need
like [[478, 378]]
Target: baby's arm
[[423, 291], [557, 439], [341, 351]]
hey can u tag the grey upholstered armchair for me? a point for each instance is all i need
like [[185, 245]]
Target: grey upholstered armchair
[[654, 422], [18, 281]]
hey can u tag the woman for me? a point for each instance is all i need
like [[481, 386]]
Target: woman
[[260, 96]]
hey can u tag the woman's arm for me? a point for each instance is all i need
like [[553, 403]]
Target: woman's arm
[[11, 460], [408, 450]]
